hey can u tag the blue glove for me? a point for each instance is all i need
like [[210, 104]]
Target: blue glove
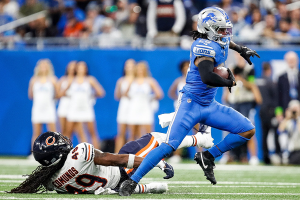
[[169, 171]]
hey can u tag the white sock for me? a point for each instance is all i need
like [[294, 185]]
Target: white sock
[[188, 141], [140, 188]]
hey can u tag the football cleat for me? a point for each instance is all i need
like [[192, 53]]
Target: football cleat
[[127, 187], [157, 188], [207, 166]]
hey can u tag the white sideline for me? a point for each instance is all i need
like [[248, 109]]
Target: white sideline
[[246, 193]]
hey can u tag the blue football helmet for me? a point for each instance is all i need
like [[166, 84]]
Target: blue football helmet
[[49, 148], [215, 23]]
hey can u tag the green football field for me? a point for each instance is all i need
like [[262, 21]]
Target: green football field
[[234, 182]]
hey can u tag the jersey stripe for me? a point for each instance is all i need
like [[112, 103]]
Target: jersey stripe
[[204, 46], [144, 151], [85, 158], [89, 152]]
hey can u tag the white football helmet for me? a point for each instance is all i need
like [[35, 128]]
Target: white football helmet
[[215, 22]]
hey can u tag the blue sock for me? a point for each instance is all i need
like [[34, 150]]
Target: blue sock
[[151, 160], [231, 141]]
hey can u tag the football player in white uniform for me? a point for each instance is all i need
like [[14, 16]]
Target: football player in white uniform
[[84, 169]]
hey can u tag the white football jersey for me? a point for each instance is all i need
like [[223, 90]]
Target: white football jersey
[[80, 174]]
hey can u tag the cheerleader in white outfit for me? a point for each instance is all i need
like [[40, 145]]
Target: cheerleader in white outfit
[[123, 109], [42, 90], [142, 91], [64, 101], [82, 91]]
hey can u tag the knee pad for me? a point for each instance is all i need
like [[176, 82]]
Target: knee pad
[[166, 149]]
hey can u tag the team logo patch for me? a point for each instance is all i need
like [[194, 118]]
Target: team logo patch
[[50, 140], [204, 51], [189, 100], [210, 16]]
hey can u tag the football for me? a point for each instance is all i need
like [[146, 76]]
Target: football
[[221, 71]]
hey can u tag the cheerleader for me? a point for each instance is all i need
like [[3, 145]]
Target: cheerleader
[[82, 91], [123, 109], [142, 92], [64, 101], [42, 90]]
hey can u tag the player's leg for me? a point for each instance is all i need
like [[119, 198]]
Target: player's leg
[[51, 127], [37, 129], [224, 118], [121, 137], [94, 136], [62, 122], [182, 123], [155, 188]]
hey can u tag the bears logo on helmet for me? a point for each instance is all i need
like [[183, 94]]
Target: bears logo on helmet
[[49, 148]]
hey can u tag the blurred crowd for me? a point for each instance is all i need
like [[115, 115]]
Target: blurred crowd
[[112, 23], [277, 95]]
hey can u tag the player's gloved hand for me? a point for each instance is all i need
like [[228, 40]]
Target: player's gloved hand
[[246, 53], [231, 77], [168, 169]]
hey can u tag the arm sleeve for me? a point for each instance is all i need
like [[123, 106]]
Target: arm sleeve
[[208, 77], [86, 152]]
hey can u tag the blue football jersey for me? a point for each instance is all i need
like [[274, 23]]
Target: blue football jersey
[[198, 90]]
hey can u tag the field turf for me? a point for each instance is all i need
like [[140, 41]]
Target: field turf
[[234, 182]]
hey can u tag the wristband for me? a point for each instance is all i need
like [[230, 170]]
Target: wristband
[[130, 163]]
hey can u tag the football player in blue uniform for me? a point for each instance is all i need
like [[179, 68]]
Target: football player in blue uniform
[[196, 102]]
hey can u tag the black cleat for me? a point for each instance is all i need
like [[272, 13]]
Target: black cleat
[[127, 187], [207, 166]]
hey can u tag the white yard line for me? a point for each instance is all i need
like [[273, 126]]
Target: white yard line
[[279, 194], [235, 186], [147, 180]]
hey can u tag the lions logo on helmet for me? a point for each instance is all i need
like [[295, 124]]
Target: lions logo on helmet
[[210, 16], [50, 147]]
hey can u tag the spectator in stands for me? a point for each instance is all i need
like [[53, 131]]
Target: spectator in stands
[[94, 20], [283, 32], [288, 84], [40, 28], [289, 130], [4, 19], [43, 91], [121, 19], [269, 94], [244, 98], [73, 26], [269, 30], [295, 18], [142, 92], [110, 36], [237, 21], [137, 16], [253, 31], [70, 10], [30, 7], [82, 91], [165, 19], [282, 11], [64, 102], [122, 86], [11, 8]]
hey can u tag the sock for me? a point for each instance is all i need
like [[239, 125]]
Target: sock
[[151, 161], [188, 141], [231, 141], [140, 188]]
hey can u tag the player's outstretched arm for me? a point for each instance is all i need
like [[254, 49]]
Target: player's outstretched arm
[[245, 52], [206, 67], [120, 160]]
